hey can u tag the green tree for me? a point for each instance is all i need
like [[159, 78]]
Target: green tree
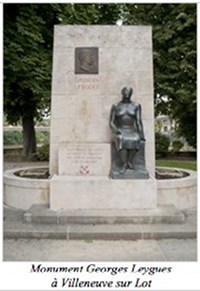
[[28, 39], [27, 69], [174, 53], [162, 143]]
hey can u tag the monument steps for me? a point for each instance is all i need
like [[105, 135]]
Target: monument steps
[[19, 225], [163, 214], [100, 232]]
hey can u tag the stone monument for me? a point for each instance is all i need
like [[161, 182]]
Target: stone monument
[[91, 64]]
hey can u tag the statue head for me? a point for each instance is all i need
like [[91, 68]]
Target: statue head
[[86, 59], [126, 93]]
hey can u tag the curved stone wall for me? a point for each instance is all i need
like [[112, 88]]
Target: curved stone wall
[[182, 192], [22, 193]]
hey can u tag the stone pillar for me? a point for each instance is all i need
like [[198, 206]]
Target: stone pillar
[[91, 64]]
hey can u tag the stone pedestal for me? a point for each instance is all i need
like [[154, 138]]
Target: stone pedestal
[[84, 182], [102, 193]]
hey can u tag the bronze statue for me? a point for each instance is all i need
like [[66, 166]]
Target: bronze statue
[[128, 138]]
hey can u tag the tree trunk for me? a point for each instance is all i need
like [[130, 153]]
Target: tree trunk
[[29, 138]]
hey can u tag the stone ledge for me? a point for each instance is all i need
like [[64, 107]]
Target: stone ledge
[[163, 214], [16, 228], [99, 232]]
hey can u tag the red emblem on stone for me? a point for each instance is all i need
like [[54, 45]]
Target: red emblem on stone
[[84, 170]]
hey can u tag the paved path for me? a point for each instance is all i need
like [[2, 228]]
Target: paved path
[[17, 246], [91, 250]]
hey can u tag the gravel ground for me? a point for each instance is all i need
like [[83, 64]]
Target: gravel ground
[[91, 250]]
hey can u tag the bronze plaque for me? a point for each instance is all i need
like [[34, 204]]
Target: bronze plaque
[[86, 60]]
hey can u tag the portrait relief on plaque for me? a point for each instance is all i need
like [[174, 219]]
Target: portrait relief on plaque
[[86, 60]]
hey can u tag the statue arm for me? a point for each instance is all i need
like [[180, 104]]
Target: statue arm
[[112, 120], [139, 122]]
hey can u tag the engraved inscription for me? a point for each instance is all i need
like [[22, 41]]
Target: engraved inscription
[[84, 159], [86, 60], [86, 83], [81, 154]]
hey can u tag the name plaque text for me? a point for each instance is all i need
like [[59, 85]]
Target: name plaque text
[[84, 159]]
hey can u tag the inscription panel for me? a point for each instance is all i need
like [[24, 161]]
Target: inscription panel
[[84, 159]]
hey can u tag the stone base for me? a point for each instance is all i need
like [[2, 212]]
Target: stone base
[[102, 193], [167, 214], [40, 222], [130, 174]]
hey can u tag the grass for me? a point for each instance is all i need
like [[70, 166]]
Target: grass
[[190, 165]]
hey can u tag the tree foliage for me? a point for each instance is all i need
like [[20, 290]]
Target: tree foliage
[[28, 36], [174, 52], [28, 39], [27, 66], [162, 143]]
